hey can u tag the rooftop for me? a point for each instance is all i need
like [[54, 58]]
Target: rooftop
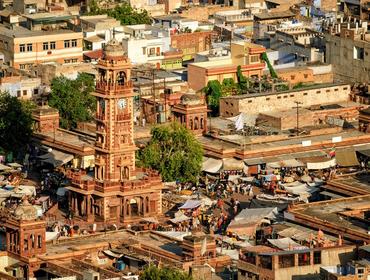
[[21, 32], [274, 15]]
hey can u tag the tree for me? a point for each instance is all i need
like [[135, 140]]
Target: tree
[[123, 12], [154, 273], [243, 82], [15, 122], [73, 99], [271, 69], [175, 152]]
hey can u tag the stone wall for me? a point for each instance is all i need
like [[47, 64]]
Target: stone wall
[[259, 103], [340, 53]]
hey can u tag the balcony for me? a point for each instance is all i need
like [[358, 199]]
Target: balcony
[[104, 86], [123, 117], [100, 117]]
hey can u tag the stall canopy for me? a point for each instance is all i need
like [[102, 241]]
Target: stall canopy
[[211, 165], [292, 163], [4, 167], [365, 152], [191, 204], [286, 244], [317, 163], [56, 158], [232, 164], [346, 157]]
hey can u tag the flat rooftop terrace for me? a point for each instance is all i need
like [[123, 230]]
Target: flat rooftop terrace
[[340, 216]]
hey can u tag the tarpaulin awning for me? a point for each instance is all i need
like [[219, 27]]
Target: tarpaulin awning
[[112, 254], [180, 219], [321, 164], [191, 204], [232, 164], [211, 165], [365, 152], [298, 188], [286, 244], [56, 158], [15, 165], [61, 191], [346, 157], [4, 167], [286, 163], [176, 235]]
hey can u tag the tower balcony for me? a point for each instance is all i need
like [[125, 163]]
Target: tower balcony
[[123, 117], [108, 86]]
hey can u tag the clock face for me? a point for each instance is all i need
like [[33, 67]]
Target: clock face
[[122, 103]]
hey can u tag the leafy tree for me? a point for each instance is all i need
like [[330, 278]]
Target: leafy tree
[[243, 82], [15, 122], [271, 69], [73, 99], [123, 12], [153, 273], [174, 151]]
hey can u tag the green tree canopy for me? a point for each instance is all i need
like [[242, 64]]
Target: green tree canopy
[[174, 151], [153, 273], [123, 12], [73, 99], [15, 122]]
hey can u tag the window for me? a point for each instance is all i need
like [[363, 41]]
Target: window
[[24, 92], [304, 259], [345, 88], [67, 43], [268, 98], [151, 51], [22, 66], [317, 257], [285, 96], [255, 58], [286, 261], [29, 47], [292, 77], [279, 97], [18, 93], [292, 95], [358, 53], [39, 243], [249, 101], [67, 61], [74, 60], [36, 91], [45, 46], [305, 93], [22, 48], [74, 43], [52, 45], [318, 91], [336, 89], [305, 76], [144, 51], [328, 90]]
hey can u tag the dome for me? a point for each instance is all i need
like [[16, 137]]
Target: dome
[[113, 49], [190, 99]]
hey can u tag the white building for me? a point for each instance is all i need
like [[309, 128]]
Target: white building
[[146, 43], [98, 30]]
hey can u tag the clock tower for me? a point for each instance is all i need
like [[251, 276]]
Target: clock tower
[[117, 191], [115, 148]]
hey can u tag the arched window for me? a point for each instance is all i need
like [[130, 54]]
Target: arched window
[[196, 123], [191, 124], [201, 123]]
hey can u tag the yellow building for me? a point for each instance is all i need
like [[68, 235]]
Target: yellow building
[[245, 54], [23, 47]]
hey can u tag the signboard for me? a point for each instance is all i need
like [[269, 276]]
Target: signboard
[[306, 143], [336, 139]]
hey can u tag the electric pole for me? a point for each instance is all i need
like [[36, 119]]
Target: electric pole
[[297, 107]]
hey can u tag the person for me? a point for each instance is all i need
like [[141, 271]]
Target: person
[[250, 192]]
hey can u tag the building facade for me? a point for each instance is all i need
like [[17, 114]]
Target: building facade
[[23, 48]]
